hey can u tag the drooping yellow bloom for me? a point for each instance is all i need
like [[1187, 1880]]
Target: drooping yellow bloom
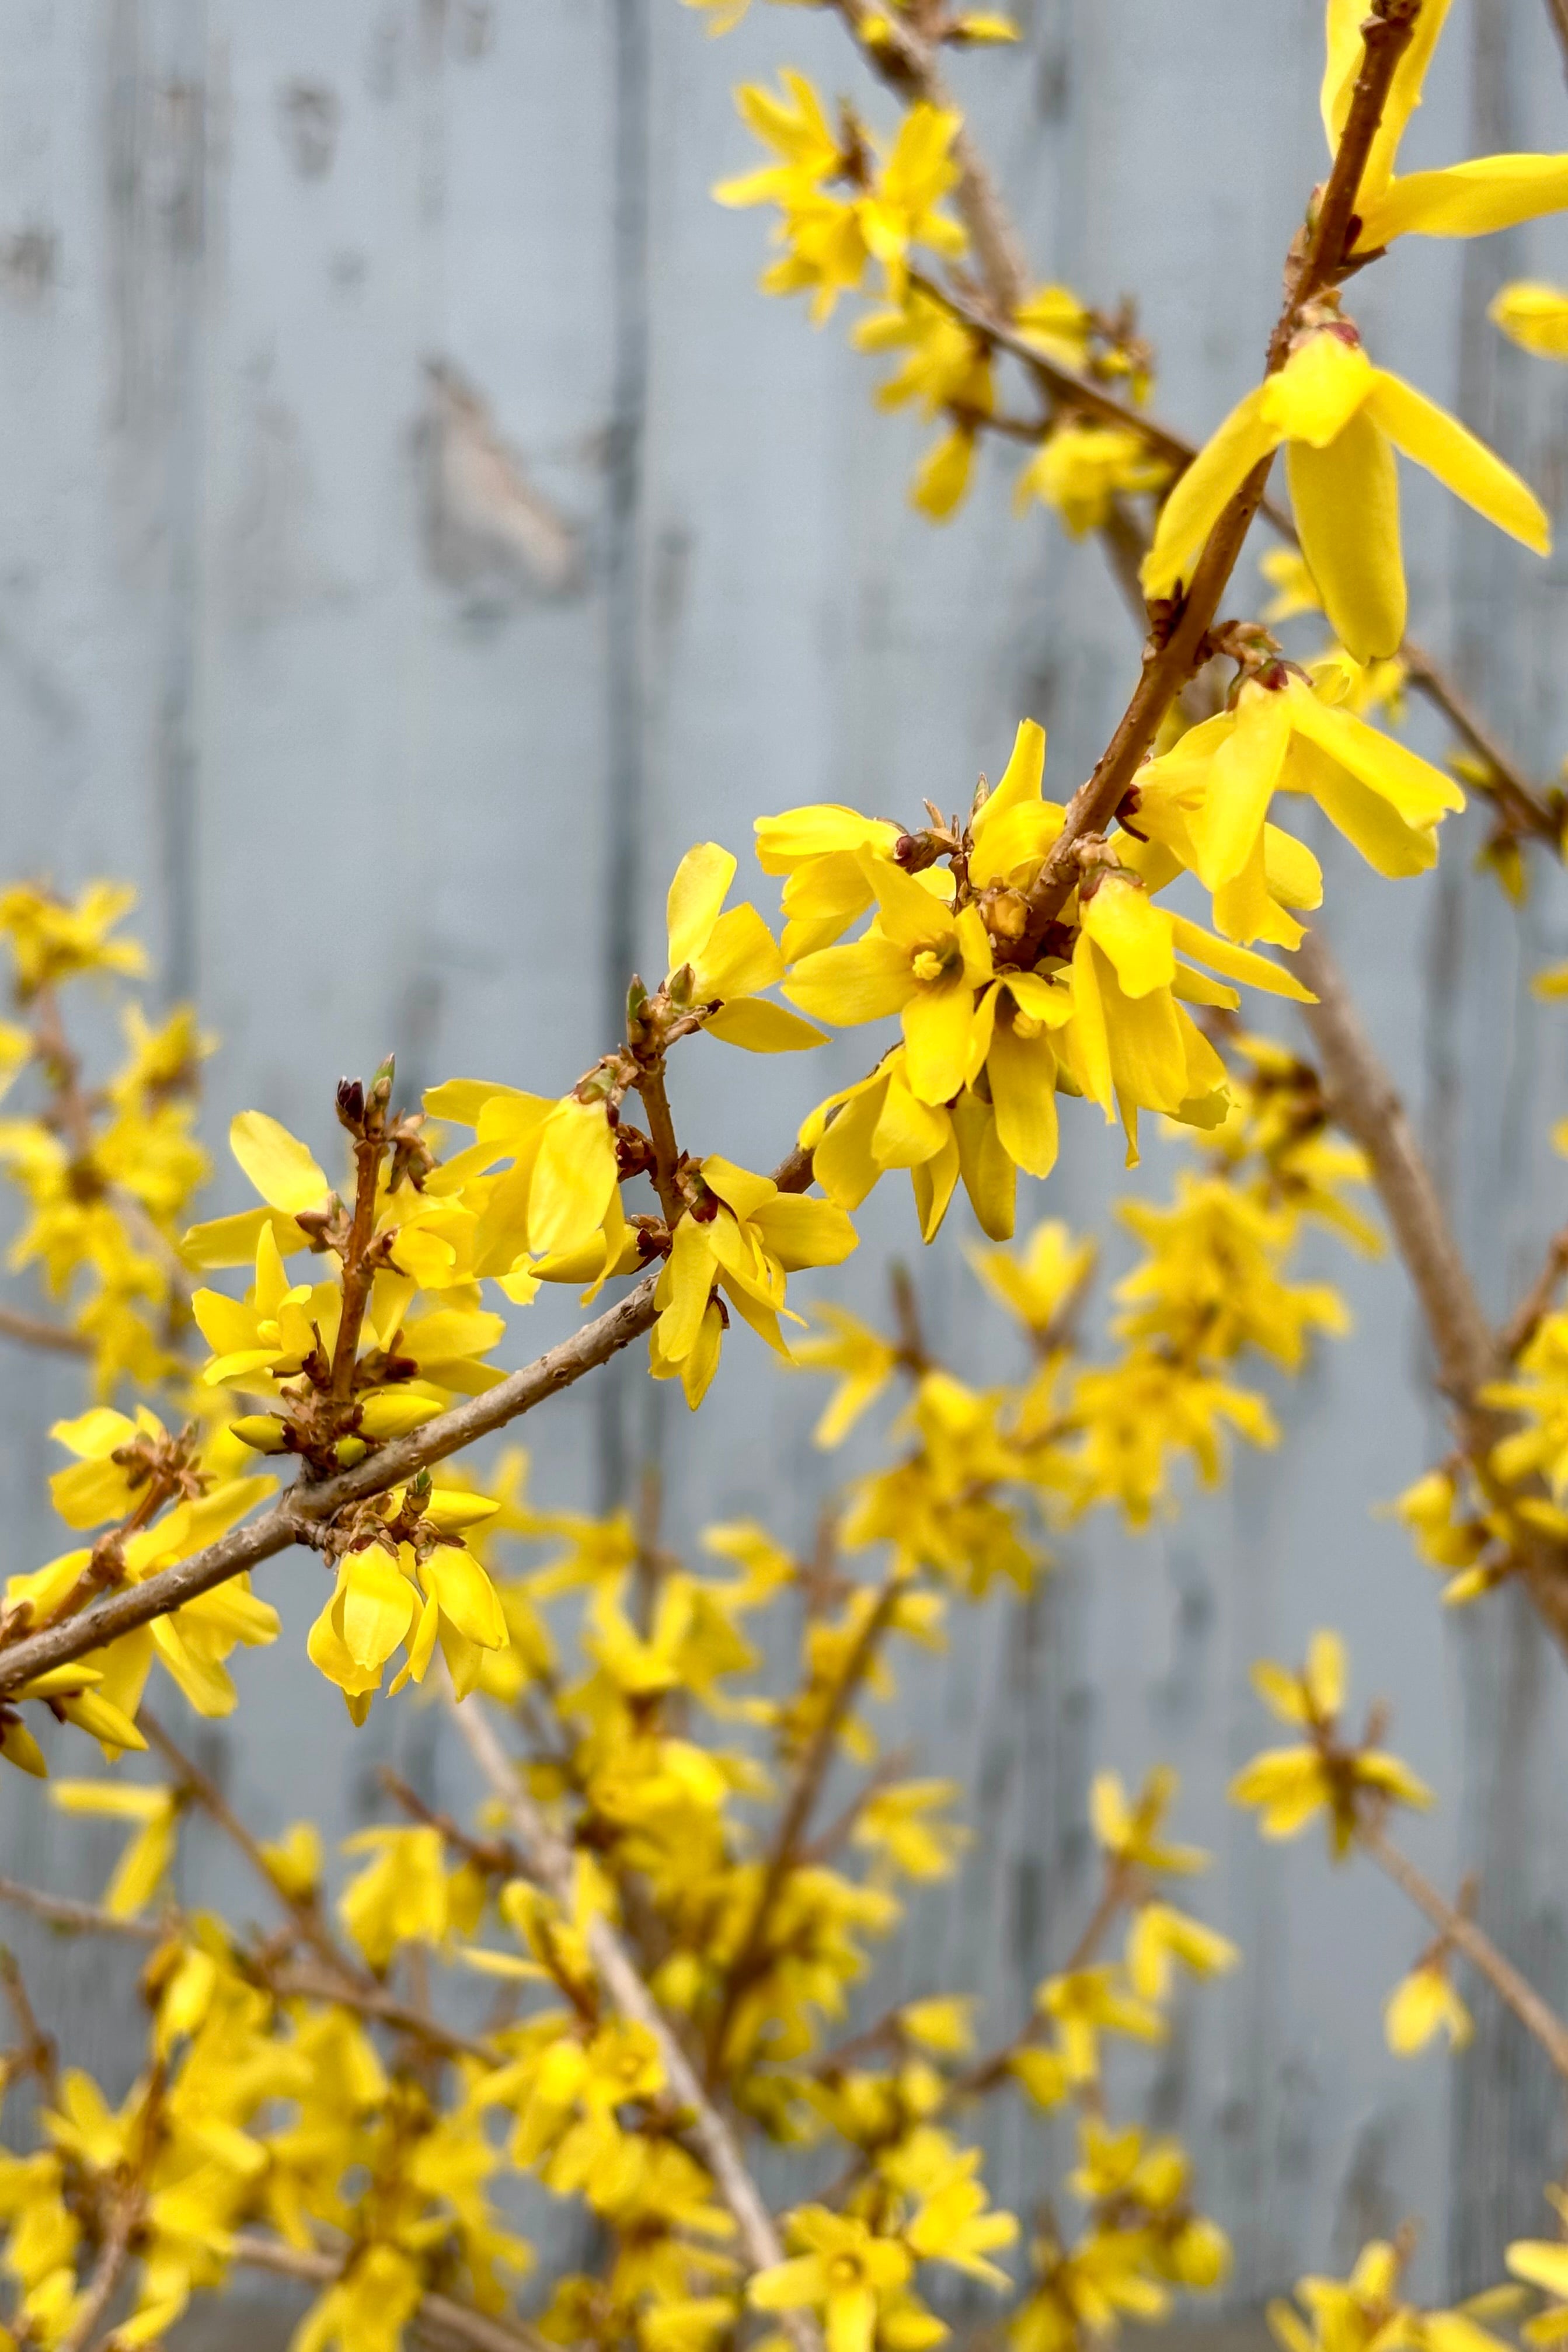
[[1365, 2312], [1081, 467], [51, 941], [1423, 2004], [1289, 1785], [844, 2274], [1037, 1284], [921, 960], [723, 958], [144, 1864], [893, 200], [744, 1236], [1495, 192], [1534, 316], [1341, 419], [822, 852], [1208, 798]]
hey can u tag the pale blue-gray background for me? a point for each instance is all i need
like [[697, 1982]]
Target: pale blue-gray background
[[416, 531]]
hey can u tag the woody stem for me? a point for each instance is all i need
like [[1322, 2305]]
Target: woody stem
[[1477, 1947], [358, 1273], [650, 1085], [810, 1773]]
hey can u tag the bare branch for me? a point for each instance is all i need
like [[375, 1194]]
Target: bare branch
[[810, 1773], [112, 2259], [1365, 1102], [1477, 1947], [37, 1331], [550, 1861], [437, 2314], [311, 1505], [75, 1918]]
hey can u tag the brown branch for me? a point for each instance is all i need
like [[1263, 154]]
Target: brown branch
[[1064, 387], [1518, 798], [793, 1822], [305, 1508], [73, 1918], [496, 1859], [198, 1786], [1523, 1324], [37, 1331], [905, 62], [1366, 1104], [988, 2072], [36, 2054], [1170, 660], [436, 2314], [310, 1506], [650, 1085], [358, 1261], [339, 1984], [1558, 12], [1477, 1947], [550, 1861], [348, 1990], [112, 2259]]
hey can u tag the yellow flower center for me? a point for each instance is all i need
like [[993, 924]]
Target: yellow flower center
[[929, 965], [844, 2271], [1025, 1026]]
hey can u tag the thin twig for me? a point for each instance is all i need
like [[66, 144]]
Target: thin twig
[[36, 2054], [202, 1789], [988, 2072], [550, 1861], [1523, 1324], [112, 2259], [1170, 660], [1366, 1104], [496, 1859], [331, 1985], [661, 1135], [1477, 1947], [810, 1773], [73, 1918], [37, 1331], [311, 1505], [903, 60], [308, 1507], [1558, 12], [436, 2313]]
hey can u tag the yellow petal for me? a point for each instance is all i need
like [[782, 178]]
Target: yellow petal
[[1534, 315], [573, 1176], [1022, 1077], [937, 1023], [1238, 786], [1448, 449], [1474, 199], [1317, 392], [1020, 782], [696, 895], [1132, 932], [377, 1605], [465, 1595], [759, 1027], [277, 1162], [740, 957], [1346, 501], [990, 1178], [1237, 963], [863, 981], [1200, 496]]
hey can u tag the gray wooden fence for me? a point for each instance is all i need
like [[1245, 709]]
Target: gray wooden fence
[[416, 531]]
